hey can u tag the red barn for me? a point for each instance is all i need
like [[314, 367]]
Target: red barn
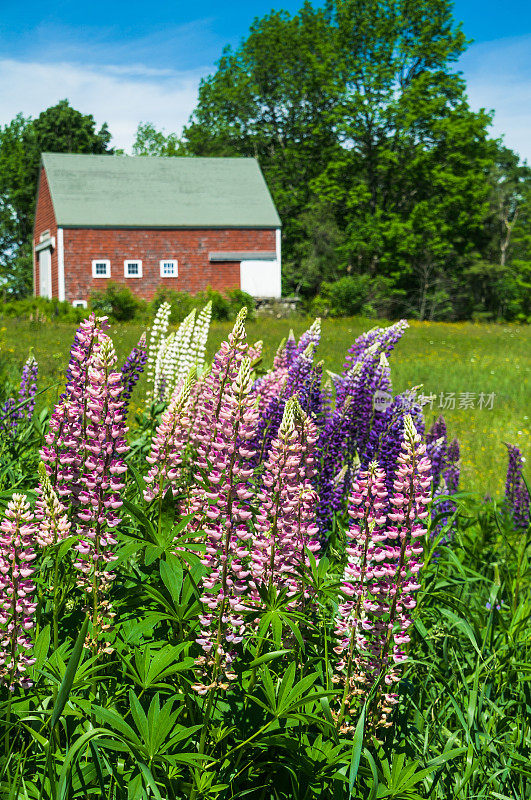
[[184, 223]]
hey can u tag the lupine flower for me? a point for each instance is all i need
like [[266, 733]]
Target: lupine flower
[[210, 391], [175, 358], [63, 452], [220, 500], [133, 368], [437, 446], [10, 415], [286, 524], [199, 340], [17, 607], [157, 336], [53, 524], [516, 492], [102, 481], [169, 444], [381, 575]]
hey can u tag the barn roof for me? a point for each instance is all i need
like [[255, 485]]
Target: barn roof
[[156, 192]]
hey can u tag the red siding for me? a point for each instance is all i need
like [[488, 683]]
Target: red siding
[[189, 247], [45, 221]]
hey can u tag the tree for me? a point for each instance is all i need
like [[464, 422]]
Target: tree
[[362, 127], [151, 142], [59, 129]]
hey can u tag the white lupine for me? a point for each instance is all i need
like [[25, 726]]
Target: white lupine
[[170, 358], [199, 340], [157, 337]]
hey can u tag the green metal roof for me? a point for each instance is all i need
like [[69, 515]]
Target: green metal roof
[[156, 192]]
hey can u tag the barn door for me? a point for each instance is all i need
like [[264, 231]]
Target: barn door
[[260, 278], [45, 272]]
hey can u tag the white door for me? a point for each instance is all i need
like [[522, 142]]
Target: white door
[[260, 278], [45, 272]]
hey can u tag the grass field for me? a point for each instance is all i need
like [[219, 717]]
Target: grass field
[[443, 358]]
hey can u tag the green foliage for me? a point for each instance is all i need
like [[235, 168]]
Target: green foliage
[[58, 129], [357, 294], [42, 310], [224, 307], [117, 302], [375, 160], [151, 142]]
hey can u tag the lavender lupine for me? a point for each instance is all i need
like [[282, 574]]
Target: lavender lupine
[[63, 452], [17, 607], [132, 369], [220, 501], [286, 523], [101, 483], [437, 445], [516, 492], [384, 338], [12, 413], [169, 444]]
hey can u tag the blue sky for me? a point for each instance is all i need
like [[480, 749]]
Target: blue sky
[[130, 61]]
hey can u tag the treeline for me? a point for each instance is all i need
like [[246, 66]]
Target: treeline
[[394, 198]]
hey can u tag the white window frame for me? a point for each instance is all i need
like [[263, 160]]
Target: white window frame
[[132, 261], [79, 303], [107, 263], [174, 261]]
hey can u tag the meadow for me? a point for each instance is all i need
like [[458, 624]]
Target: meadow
[[259, 591], [443, 358]]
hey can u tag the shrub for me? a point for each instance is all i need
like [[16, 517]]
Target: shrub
[[117, 302], [42, 309], [224, 307]]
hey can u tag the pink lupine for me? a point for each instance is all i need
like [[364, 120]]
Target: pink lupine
[[220, 501], [102, 479], [53, 524], [360, 625], [169, 444], [285, 525], [381, 576], [212, 387], [17, 609]]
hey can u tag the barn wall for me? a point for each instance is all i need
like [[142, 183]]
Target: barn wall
[[189, 247], [44, 221]]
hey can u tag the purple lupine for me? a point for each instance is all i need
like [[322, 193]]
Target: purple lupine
[[449, 485], [516, 492], [132, 368], [220, 501], [10, 415], [17, 607], [286, 524], [384, 339], [437, 446], [101, 482]]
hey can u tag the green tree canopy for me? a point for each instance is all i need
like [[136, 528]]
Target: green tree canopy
[[376, 162], [59, 129]]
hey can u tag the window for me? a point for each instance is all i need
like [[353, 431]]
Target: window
[[132, 268], [79, 303], [169, 268], [101, 268]]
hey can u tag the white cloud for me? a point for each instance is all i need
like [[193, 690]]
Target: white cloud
[[120, 95], [498, 75]]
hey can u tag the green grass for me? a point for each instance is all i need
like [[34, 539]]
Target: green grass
[[459, 357]]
